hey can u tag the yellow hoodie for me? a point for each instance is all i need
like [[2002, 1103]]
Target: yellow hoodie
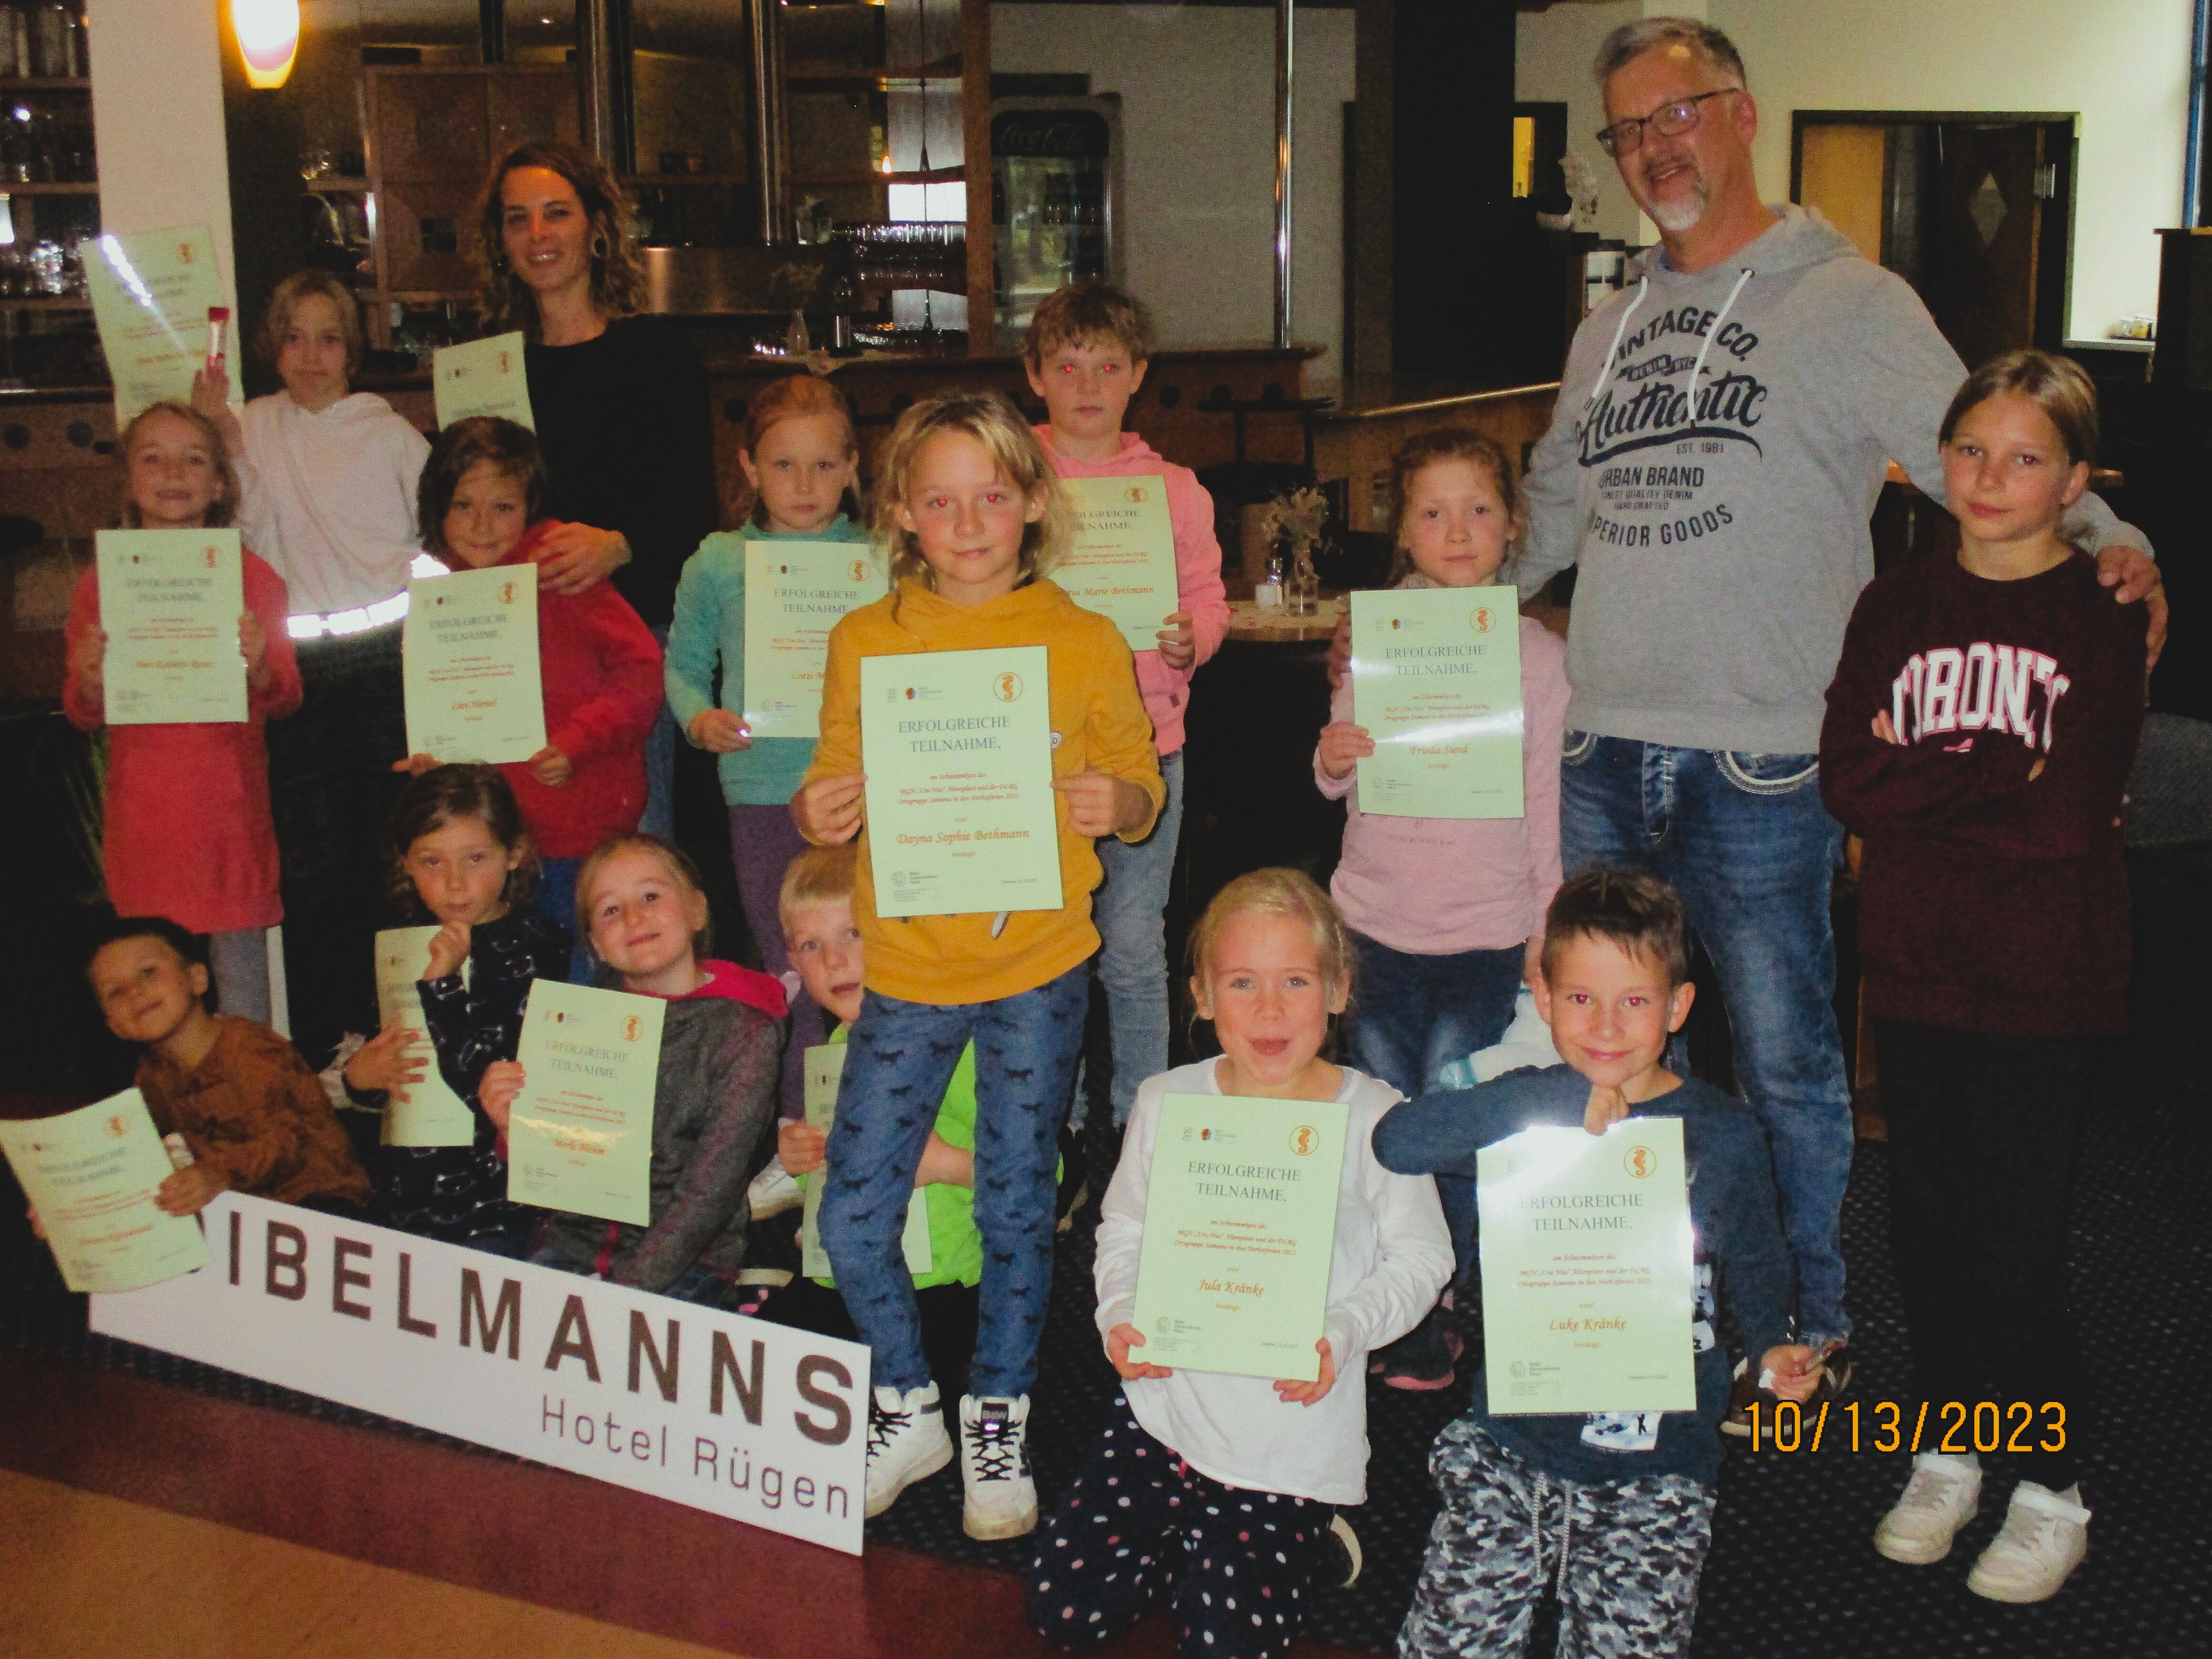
[[1098, 725]]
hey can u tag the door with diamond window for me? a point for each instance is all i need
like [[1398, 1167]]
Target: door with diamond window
[[1979, 268]]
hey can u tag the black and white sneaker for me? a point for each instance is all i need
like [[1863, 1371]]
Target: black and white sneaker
[[907, 1442], [999, 1497]]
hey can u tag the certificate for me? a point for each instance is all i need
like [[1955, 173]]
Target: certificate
[[91, 1175], [428, 1113], [580, 1136], [170, 601], [150, 297], [483, 377], [795, 593], [1123, 562], [1587, 1269], [1240, 1225], [1436, 679], [469, 653], [825, 1066], [957, 747]]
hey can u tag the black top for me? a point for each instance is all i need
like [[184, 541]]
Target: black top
[[629, 439]]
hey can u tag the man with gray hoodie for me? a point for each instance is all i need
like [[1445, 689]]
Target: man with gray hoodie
[[1721, 437]]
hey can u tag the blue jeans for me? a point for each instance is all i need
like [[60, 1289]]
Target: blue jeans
[[899, 1061], [1130, 910], [1746, 840], [1413, 1016], [554, 898]]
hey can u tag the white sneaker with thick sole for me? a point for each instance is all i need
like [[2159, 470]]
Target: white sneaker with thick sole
[[994, 1468], [907, 1443], [2044, 1538], [1944, 1493]]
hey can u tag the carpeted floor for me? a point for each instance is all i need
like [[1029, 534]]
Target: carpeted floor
[[1792, 1572]]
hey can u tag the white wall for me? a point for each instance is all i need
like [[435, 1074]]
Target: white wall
[[2122, 65], [1198, 171]]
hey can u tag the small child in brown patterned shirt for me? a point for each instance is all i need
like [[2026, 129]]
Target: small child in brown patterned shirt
[[254, 1117]]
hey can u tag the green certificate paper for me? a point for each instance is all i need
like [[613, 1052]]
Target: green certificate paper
[[825, 1065], [1436, 679], [150, 296], [1123, 562], [469, 655], [795, 593], [580, 1139], [170, 601], [429, 1114], [91, 1175], [483, 377], [957, 747], [1587, 1269], [1240, 1222]]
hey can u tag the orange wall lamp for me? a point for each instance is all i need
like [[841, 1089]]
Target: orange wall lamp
[[268, 38]]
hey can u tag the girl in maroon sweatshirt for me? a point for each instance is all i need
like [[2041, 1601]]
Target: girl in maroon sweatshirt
[[1979, 734]]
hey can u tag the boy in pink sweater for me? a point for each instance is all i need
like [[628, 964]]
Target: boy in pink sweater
[[1086, 353]]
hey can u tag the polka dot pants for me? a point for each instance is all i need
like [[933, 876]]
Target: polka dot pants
[[1141, 1529]]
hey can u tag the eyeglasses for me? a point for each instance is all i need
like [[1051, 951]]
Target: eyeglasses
[[1669, 121]]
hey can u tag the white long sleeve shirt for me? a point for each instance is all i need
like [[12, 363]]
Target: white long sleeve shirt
[[327, 497], [1392, 1257]]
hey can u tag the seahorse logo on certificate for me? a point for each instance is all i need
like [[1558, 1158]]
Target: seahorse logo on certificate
[[1484, 619], [1136, 492], [1304, 1138], [858, 570], [1008, 687], [506, 593], [1641, 1162], [631, 1026], [115, 1127], [209, 555]]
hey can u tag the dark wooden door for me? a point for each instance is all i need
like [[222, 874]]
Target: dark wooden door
[[1983, 233]]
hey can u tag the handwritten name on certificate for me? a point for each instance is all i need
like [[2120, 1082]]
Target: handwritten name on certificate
[[1123, 562], [1436, 679], [1240, 1226], [580, 1136], [961, 814], [1587, 1269], [150, 297], [469, 654], [92, 1174], [428, 1113], [481, 377], [170, 601], [795, 593]]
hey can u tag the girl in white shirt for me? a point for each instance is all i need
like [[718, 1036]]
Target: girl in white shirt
[[1215, 1494]]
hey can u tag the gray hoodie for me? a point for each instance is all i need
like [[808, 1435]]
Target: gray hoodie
[[1723, 548]]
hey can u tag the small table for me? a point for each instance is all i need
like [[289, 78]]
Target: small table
[[1275, 626]]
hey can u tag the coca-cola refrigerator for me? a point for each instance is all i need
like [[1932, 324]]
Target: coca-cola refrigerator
[[1056, 190]]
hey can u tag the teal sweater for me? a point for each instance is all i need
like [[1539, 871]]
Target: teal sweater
[[710, 622]]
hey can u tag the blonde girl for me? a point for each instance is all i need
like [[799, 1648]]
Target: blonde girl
[[1447, 913], [1217, 1493], [188, 835], [800, 459], [972, 517]]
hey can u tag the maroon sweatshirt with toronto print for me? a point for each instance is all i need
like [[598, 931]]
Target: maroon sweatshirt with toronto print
[[1990, 902]]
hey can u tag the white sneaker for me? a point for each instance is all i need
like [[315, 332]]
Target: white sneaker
[[907, 1443], [2045, 1537], [1943, 1494], [773, 1192], [994, 1468]]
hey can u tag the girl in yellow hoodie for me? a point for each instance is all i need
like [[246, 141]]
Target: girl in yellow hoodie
[[973, 516]]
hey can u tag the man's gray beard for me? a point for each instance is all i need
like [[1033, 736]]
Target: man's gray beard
[[1676, 217]]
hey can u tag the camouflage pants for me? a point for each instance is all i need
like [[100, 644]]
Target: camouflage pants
[[1624, 1555]]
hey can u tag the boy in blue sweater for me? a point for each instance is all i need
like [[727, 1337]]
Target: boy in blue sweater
[[1617, 1506]]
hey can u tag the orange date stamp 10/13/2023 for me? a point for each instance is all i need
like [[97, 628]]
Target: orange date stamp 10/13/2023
[[1950, 1426]]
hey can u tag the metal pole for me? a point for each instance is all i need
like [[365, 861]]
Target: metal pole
[[1285, 43], [767, 123], [595, 70]]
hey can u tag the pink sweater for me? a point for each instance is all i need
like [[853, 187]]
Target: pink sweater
[[1197, 573], [1438, 886]]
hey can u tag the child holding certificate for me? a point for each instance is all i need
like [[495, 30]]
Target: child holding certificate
[[1625, 1498], [1085, 354], [1447, 913], [715, 1094], [1980, 732], [483, 490], [220, 878], [967, 505], [460, 855], [802, 460], [1215, 1494]]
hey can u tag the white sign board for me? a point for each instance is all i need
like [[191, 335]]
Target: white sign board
[[755, 1421]]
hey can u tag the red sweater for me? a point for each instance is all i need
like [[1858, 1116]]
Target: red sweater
[[1987, 901], [600, 669]]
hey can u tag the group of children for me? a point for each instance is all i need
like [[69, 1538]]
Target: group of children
[[1947, 749]]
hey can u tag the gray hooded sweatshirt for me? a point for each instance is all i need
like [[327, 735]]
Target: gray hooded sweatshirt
[[1723, 546]]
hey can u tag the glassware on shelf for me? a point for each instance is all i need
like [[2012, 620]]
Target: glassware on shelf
[[1302, 586]]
